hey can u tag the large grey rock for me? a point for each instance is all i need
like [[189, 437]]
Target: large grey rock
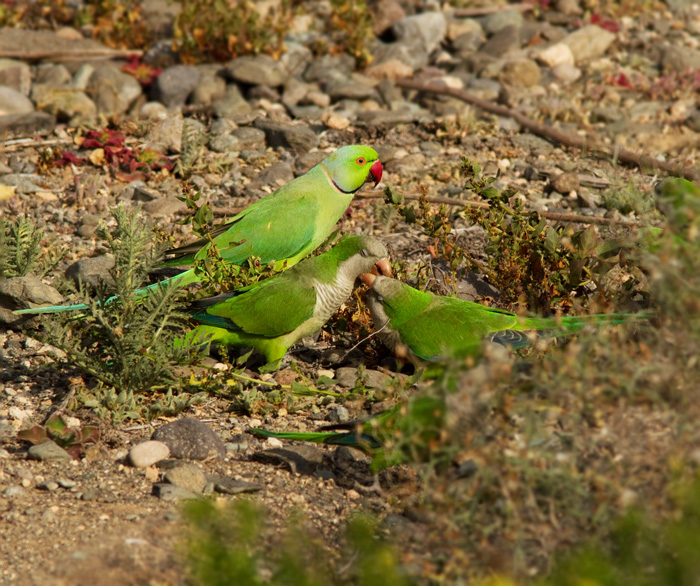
[[112, 90], [257, 70], [295, 137], [16, 75], [22, 293], [348, 377], [497, 21], [274, 176], [589, 42], [48, 452], [679, 59], [93, 271], [14, 102], [174, 85], [232, 104], [187, 476], [503, 42], [211, 86], [33, 122], [190, 439], [321, 69], [428, 28], [67, 104], [520, 72]]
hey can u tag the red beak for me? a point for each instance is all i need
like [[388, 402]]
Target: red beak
[[367, 278], [376, 172]]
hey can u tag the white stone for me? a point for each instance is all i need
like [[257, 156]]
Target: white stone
[[556, 55], [148, 453]]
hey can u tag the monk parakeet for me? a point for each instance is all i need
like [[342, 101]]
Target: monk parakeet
[[284, 226], [679, 200], [273, 314], [403, 432], [429, 328]]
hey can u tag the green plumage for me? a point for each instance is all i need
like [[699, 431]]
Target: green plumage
[[284, 226], [433, 328], [277, 312]]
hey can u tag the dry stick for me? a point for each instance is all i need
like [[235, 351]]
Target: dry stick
[[562, 217], [617, 153]]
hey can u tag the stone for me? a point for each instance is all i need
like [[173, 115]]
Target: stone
[[679, 59], [112, 90], [386, 13], [211, 86], [274, 177], [187, 476], [24, 124], [257, 70], [148, 453], [14, 491], [172, 493], [321, 69], [24, 182], [521, 72], [24, 292], [356, 87], [232, 104], [496, 22], [565, 183], [165, 207], [190, 439], [302, 459], [295, 137], [566, 73], [428, 28], [468, 43], [48, 451], [153, 111], [174, 85], [556, 55], [93, 271], [68, 105], [14, 102], [224, 143], [16, 75], [389, 69], [504, 41], [347, 377], [249, 137], [226, 485], [588, 42], [166, 135], [534, 144], [569, 7]]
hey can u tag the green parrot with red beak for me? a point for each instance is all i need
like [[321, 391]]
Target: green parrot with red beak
[[284, 227]]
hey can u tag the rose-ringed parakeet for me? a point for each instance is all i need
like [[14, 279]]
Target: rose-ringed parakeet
[[431, 328], [284, 227], [275, 313]]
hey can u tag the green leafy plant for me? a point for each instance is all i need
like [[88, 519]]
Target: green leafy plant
[[25, 249], [351, 26], [230, 544], [219, 30], [127, 345], [73, 439]]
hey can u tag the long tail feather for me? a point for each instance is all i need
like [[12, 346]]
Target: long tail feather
[[362, 441], [180, 280]]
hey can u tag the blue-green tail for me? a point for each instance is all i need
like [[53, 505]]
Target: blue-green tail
[[355, 440], [180, 280], [557, 327]]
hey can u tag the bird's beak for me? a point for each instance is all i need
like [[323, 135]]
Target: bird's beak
[[376, 172], [383, 265], [368, 278]]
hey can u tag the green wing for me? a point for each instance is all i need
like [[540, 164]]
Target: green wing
[[276, 307], [278, 227], [452, 327]]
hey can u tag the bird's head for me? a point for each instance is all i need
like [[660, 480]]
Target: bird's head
[[351, 166]]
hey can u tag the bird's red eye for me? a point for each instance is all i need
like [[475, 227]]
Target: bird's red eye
[[360, 161]]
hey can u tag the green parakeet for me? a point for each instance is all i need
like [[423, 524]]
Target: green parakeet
[[406, 430], [429, 328], [284, 227], [272, 315]]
